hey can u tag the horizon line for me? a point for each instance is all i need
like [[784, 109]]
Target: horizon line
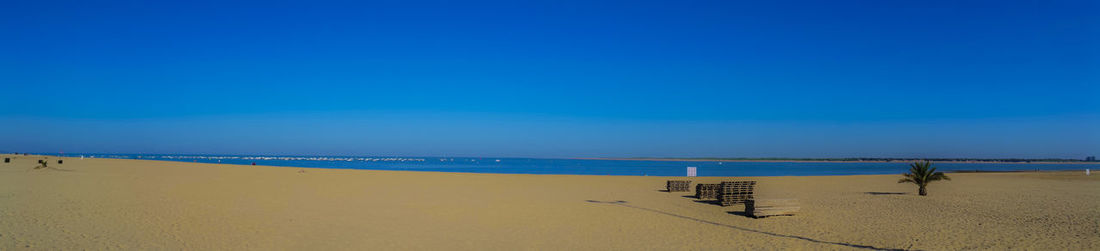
[[599, 158]]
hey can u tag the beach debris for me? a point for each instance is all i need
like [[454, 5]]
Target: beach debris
[[7, 160], [734, 192], [678, 186], [707, 191], [922, 173], [60, 162], [759, 208]]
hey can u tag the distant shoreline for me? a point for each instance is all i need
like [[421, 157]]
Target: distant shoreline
[[847, 161], [760, 160]]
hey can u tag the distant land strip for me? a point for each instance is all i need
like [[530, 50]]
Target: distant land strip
[[856, 160]]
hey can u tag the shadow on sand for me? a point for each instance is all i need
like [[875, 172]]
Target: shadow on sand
[[625, 204], [703, 201], [740, 213]]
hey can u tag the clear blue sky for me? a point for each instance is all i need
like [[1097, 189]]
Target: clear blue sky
[[553, 79]]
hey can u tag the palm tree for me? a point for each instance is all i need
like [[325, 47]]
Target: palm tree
[[922, 173]]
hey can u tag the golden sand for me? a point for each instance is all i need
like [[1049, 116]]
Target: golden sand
[[136, 204]]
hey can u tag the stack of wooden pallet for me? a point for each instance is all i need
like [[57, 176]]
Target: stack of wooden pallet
[[733, 192], [679, 186], [771, 207], [707, 191]]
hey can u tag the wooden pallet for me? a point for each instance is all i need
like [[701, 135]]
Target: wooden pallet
[[734, 192], [678, 186], [707, 191], [759, 208]]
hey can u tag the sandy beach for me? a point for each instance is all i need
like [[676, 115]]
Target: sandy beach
[[842, 161], [140, 205]]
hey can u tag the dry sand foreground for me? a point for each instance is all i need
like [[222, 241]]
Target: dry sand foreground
[[136, 204]]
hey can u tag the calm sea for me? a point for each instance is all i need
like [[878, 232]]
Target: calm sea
[[587, 167]]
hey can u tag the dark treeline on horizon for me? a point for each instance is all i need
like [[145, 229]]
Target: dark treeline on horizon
[[1008, 160]]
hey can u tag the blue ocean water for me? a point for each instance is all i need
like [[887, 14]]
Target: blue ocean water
[[589, 167]]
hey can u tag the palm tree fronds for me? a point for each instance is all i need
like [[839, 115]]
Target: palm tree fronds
[[922, 173]]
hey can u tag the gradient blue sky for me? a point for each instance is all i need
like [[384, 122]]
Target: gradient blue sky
[[553, 79]]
